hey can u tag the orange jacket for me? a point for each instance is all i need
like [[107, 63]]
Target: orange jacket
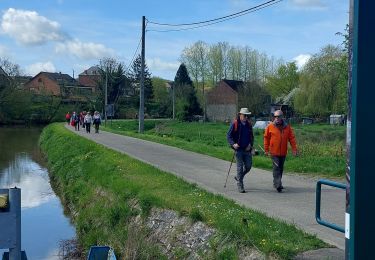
[[276, 139]]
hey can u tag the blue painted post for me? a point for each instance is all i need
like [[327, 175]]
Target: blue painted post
[[15, 210], [362, 151]]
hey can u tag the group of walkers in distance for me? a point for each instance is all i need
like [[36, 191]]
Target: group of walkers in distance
[[85, 120], [276, 137]]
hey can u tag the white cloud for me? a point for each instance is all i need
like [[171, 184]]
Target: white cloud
[[301, 60], [83, 50], [308, 3], [29, 28], [35, 68], [158, 64]]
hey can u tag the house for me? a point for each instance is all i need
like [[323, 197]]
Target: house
[[52, 83], [222, 101], [90, 78]]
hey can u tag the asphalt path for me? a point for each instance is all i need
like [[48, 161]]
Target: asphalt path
[[296, 204]]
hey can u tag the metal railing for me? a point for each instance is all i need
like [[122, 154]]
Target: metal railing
[[318, 203]]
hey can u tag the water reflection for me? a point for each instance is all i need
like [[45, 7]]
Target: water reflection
[[28, 175], [44, 224]]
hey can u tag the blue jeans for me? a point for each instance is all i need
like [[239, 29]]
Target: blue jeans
[[244, 163]]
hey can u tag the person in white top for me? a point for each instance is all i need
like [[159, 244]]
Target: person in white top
[[87, 121]]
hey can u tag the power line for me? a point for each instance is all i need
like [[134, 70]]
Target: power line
[[223, 18], [135, 53]]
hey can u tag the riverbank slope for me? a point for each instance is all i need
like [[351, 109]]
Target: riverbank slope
[[101, 187]]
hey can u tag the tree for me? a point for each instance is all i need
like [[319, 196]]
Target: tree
[[253, 96], [324, 83], [9, 72], [135, 78], [235, 63], [162, 98], [285, 80], [224, 49], [215, 63], [10, 68], [112, 74], [187, 104], [15, 103]]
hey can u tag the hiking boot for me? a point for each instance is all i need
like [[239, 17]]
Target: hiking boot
[[279, 189], [240, 187]]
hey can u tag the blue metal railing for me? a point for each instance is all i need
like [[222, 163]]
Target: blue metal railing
[[318, 202]]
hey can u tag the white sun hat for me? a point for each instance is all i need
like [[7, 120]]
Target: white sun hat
[[245, 111]]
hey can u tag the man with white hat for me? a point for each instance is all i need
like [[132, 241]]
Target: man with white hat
[[276, 137], [241, 138]]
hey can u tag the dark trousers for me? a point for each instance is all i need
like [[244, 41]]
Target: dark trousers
[[96, 128], [87, 125], [76, 125], [278, 168], [244, 163]]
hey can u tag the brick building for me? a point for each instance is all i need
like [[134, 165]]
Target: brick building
[[90, 77], [52, 83], [222, 101]]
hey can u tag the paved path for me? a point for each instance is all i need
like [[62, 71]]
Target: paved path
[[295, 205]]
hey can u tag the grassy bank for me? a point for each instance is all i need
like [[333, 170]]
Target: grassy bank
[[321, 146], [99, 184]]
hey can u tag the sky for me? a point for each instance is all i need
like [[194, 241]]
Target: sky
[[70, 35]]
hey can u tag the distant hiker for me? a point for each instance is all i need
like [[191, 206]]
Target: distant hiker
[[75, 121], [87, 122], [82, 118], [240, 137], [96, 121], [276, 137], [67, 118]]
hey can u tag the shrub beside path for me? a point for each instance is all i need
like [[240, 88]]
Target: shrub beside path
[[295, 205]]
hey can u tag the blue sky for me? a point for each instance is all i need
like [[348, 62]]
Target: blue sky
[[67, 35]]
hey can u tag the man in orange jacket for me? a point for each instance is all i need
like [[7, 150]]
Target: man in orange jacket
[[276, 137]]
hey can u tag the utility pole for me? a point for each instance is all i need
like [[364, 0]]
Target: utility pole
[[105, 98], [141, 114], [361, 230]]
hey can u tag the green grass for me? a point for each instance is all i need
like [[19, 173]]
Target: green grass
[[98, 185], [322, 147]]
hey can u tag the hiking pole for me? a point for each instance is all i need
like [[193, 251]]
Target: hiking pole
[[264, 152], [275, 163], [225, 185]]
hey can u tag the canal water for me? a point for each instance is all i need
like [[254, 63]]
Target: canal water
[[44, 225]]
